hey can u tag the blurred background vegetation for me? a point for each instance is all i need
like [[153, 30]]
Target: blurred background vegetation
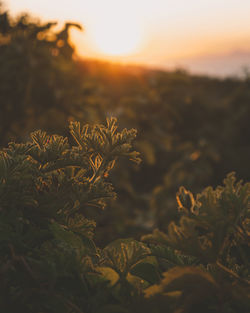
[[192, 130]]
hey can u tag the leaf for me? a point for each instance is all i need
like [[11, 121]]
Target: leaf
[[185, 200], [88, 243], [40, 138], [122, 254], [185, 279], [146, 271], [157, 237], [66, 237], [168, 254], [109, 274]]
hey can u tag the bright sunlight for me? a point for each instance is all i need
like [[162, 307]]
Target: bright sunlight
[[117, 35]]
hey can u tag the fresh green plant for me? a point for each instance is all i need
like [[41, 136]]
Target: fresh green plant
[[205, 255], [48, 258], [47, 186]]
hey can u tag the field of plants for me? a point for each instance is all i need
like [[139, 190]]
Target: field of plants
[[122, 189]]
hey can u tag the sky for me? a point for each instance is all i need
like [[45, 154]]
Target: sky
[[203, 36]]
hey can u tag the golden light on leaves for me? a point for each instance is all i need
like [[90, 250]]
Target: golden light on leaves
[[185, 200]]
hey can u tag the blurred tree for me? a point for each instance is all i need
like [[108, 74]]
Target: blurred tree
[[36, 77]]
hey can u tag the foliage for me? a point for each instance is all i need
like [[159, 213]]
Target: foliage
[[50, 262], [47, 187], [59, 252], [212, 234], [192, 130]]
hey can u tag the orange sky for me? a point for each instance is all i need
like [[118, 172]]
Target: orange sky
[[211, 36]]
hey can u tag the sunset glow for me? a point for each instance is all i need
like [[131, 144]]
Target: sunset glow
[[206, 36], [115, 36]]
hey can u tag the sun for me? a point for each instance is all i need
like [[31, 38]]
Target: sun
[[116, 36]]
